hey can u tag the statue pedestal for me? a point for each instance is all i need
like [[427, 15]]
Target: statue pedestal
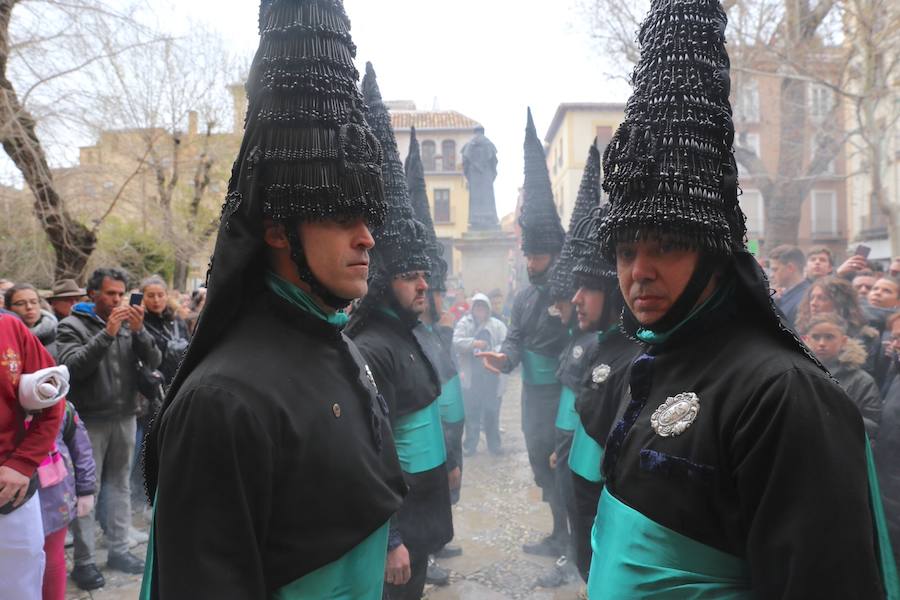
[[485, 260]]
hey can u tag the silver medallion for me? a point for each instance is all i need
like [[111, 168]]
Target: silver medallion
[[676, 414], [577, 352], [600, 373]]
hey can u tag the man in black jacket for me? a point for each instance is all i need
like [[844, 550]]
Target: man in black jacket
[[383, 328], [537, 336], [272, 462], [101, 344], [737, 466]]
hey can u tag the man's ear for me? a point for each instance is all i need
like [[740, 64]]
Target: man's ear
[[274, 234]]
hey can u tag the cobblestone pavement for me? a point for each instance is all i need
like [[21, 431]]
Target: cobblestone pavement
[[499, 510]]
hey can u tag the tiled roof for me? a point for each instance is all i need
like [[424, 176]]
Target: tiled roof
[[422, 119]]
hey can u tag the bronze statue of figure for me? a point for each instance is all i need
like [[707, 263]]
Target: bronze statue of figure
[[480, 167]]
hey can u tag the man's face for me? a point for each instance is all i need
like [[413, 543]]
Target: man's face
[[819, 301], [481, 312], [588, 307], [652, 275], [894, 269], [863, 285], [895, 337], [27, 305], [537, 264], [109, 296], [338, 255], [782, 273], [826, 340], [409, 291], [817, 265], [884, 294], [63, 306]]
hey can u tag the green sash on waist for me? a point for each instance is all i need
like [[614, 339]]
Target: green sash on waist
[[538, 369], [566, 417], [419, 438], [358, 575], [146, 592], [634, 557], [451, 401], [885, 553], [586, 455]]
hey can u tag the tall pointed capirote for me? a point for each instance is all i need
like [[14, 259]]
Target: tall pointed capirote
[[542, 232], [418, 195]]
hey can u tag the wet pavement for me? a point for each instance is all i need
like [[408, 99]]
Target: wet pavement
[[499, 510]]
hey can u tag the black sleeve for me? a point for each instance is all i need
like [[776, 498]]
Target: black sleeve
[[798, 455], [514, 343], [214, 497]]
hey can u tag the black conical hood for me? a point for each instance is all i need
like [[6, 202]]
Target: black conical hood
[[307, 153], [669, 168], [401, 243], [589, 267], [562, 281], [418, 194], [542, 232]]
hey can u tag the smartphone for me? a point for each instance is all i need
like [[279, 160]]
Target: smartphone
[[136, 299], [862, 250]]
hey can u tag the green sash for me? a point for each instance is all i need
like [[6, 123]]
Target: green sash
[[451, 401], [358, 575], [635, 557], [538, 369], [149, 562], [419, 438], [566, 417], [885, 553], [586, 455]]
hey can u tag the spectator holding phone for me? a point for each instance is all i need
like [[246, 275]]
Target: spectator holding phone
[[101, 343]]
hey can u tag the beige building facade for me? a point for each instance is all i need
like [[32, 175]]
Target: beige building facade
[[569, 137]]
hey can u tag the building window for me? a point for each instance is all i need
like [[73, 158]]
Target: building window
[[428, 154], [751, 142], [753, 206], [442, 206], [448, 151], [821, 101], [824, 213], [747, 102]]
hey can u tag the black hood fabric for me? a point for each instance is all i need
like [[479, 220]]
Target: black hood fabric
[[563, 284], [542, 232], [418, 195], [589, 268], [669, 168], [307, 154]]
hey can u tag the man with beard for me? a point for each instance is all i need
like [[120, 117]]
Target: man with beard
[[383, 328], [737, 466], [537, 336], [272, 463]]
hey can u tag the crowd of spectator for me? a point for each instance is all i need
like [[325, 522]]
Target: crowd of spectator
[[121, 346]]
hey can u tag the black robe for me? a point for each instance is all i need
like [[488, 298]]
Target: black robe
[[597, 405], [536, 327], [773, 468], [275, 459], [409, 382]]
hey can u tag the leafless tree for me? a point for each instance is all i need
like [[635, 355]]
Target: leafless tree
[[798, 42], [45, 48], [173, 97]]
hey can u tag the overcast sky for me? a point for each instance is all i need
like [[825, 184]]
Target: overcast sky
[[488, 59]]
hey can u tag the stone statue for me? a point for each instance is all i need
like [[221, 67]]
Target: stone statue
[[479, 158]]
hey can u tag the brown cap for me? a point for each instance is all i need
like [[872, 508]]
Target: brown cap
[[66, 288]]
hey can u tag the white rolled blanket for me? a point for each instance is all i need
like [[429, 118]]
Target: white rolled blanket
[[43, 389]]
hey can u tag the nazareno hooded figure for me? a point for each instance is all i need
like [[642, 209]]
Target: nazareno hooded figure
[[382, 326], [537, 336], [598, 307], [272, 463], [736, 467], [436, 339], [574, 358]]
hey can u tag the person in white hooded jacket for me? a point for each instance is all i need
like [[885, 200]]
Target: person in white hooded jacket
[[478, 332]]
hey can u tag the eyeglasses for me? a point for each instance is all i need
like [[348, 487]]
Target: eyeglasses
[[24, 303]]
